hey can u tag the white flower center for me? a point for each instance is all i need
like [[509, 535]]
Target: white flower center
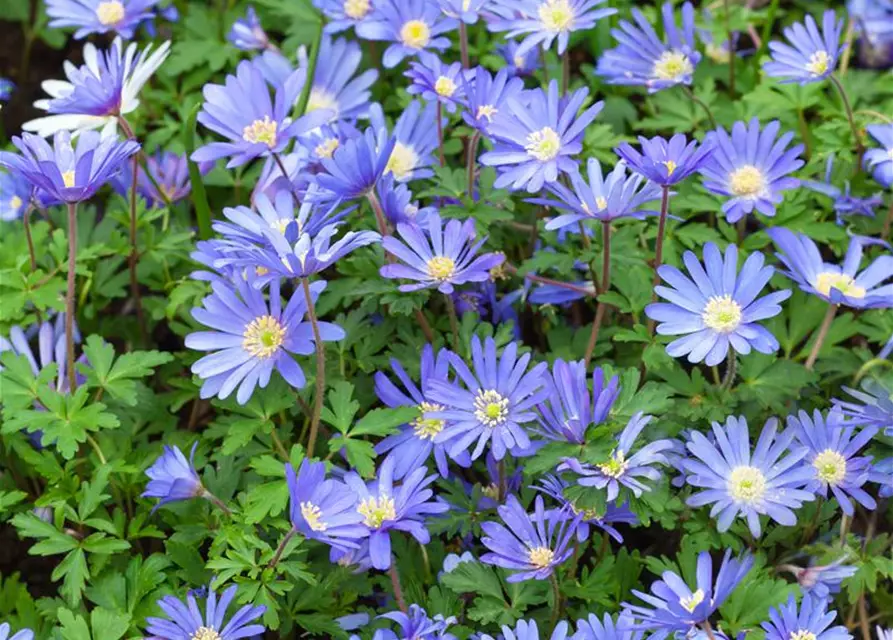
[[327, 148], [691, 603], [441, 268], [402, 161], [313, 516], [540, 557], [487, 111], [445, 87], [818, 63], [718, 53], [556, 15], [261, 131], [376, 511], [519, 62], [827, 280], [322, 99], [615, 466], [601, 202], [15, 203], [747, 182], [110, 12], [357, 9], [205, 633], [491, 408], [747, 484], [263, 337], [427, 428], [722, 314], [830, 466], [281, 224], [544, 144], [68, 178], [802, 634], [672, 65], [890, 153], [415, 34]]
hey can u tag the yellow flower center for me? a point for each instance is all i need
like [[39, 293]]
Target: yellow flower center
[[427, 428], [415, 34], [544, 144], [718, 54], [747, 484], [466, 5], [357, 9], [322, 99], [540, 557], [491, 491], [830, 466], [691, 603], [519, 62], [263, 337], [263, 131], [602, 203], [672, 65], [110, 12], [827, 280], [68, 178], [327, 148], [491, 408], [818, 63], [487, 111], [802, 634], [402, 161], [205, 633], [747, 182], [376, 511], [281, 224], [313, 516], [615, 466], [722, 314], [557, 15], [445, 87], [441, 268], [15, 203], [588, 514], [671, 167]]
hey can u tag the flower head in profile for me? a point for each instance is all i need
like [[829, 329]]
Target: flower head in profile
[[554, 486], [845, 203], [415, 139], [186, 622], [674, 607], [832, 453], [527, 630], [641, 58], [172, 477], [398, 205], [493, 403], [250, 338], [445, 256], [541, 22], [15, 195], [486, 95], [356, 166], [168, 178], [50, 350], [666, 162], [533, 545], [810, 620], [738, 481], [416, 625], [100, 16], [570, 408], [411, 26], [751, 167], [842, 285], [248, 34], [606, 629], [468, 11], [67, 172], [810, 55], [323, 509], [870, 406], [322, 143], [342, 15], [518, 64], [880, 161], [716, 308], [535, 138], [436, 81], [882, 474], [21, 634], [821, 581]]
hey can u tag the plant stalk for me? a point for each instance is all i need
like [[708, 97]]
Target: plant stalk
[[860, 148], [454, 320], [69, 295], [821, 335], [605, 285], [395, 583], [463, 45], [281, 548], [659, 246], [320, 369]]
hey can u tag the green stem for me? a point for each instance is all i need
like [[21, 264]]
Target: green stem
[[605, 285], [217, 502], [301, 107], [454, 320], [659, 246], [767, 33], [320, 369], [860, 148], [556, 604], [281, 548], [133, 258], [731, 37], [26, 219], [92, 442], [470, 161], [565, 71], [731, 369], [821, 335], [440, 134], [69, 294], [691, 95]]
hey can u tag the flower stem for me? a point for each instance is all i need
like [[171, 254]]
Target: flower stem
[[463, 45], [565, 71], [659, 247], [217, 502], [708, 629], [731, 36], [556, 604], [134, 257], [440, 134], [860, 148], [304, 99], [888, 222], [69, 294], [691, 95], [380, 219], [555, 283], [26, 220], [395, 583], [821, 335], [454, 320], [92, 442], [320, 369], [281, 548], [605, 285], [470, 161], [731, 370], [501, 481]]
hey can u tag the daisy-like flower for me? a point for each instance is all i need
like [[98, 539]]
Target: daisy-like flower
[[100, 16], [821, 581], [323, 509], [435, 81], [751, 167], [168, 170], [811, 55], [251, 338], [872, 406], [554, 487], [619, 470], [397, 203], [570, 409], [68, 173], [445, 256], [880, 161], [603, 198], [414, 444], [675, 608], [839, 285], [716, 308], [666, 162], [415, 624], [845, 204], [172, 477], [21, 634], [411, 26], [518, 64], [738, 482], [356, 166], [468, 11], [346, 14], [541, 22], [385, 507], [415, 139], [486, 95], [810, 621], [323, 141], [248, 34], [534, 139], [186, 622], [606, 629], [527, 630], [15, 194], [833, 447], [533, 545], [642, 59], [256, 126], [884, 634], [495, 403]]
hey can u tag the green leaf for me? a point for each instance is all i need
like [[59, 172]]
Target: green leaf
[[74, 568], [73, 627], [473, 577], [108, 625], [198, 194], [343, 406], [118, 379], [52, 542], [383, 422]]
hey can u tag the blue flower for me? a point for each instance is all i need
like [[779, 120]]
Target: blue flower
[[444, 257], [811, 55], [832, 447], [518, 64], [100, 16], [527, 630], [346, 14], [716, 307], [497, 400], [533, 545], [751, 168], [169, 170], [416, 625], [356, 165], [50, 349], [411, 26], [468, 11], [7, 88], [554, 487], [821, 581], [452, 560], [15, 194], [882, 474], [251, 338], [323, 509], [845, 204], [186, 622], [322, 143], [415, 139], [666, 162], [595, 629], [486, 95], [435, 81], [569, 409], [741, 482], [541, 22], [21, 634], [841, 285], [534, 139], [248, 34], [397, 203], [812, 620], [874, 406], [880, 161], [675, 607], [173, 478], [68, 173], [387, 507]]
